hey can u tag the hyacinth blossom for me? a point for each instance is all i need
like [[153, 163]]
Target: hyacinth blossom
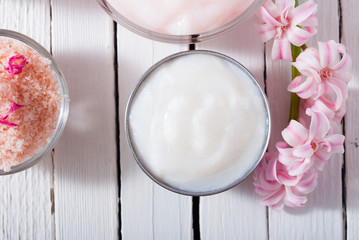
[[313, 146], [288, 177], [16, 64], [327, 72], [13, 108], [287, 24], [304, 151], [278, 188], [285, 177]]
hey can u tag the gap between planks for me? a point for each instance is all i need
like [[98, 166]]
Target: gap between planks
[[117, 130], [343, 172], [195, 200]]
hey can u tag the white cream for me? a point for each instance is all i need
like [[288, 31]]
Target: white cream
[[180, 17], [198, 123]]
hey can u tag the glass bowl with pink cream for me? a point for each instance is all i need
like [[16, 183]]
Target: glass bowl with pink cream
[[179, 21], [34, 102]]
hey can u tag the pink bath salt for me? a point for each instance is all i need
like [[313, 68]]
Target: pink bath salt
[[36, 88]]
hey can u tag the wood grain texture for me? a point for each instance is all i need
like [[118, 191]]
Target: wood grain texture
[[148, 210], [80, 185], [321, 217], [236, 214], [86, 191], [25, 199], [350, 38]]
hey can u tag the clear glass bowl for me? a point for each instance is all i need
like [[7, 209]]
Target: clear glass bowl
[[193, 38], [237, 179], [64, 110]]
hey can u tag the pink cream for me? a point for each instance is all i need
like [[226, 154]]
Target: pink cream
[[180, 17], [37, 89]]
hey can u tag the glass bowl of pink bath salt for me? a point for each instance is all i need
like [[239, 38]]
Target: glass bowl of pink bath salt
[[34, 102], [179, 21]]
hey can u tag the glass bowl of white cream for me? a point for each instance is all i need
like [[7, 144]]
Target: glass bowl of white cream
[[178, 21], [197, 123]]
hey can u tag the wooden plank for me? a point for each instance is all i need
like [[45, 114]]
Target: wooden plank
[[148, 210], [350, 40], [25, 201], [86, 190], [236, 214], [324, 207]]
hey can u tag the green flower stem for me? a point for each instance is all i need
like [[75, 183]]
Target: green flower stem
[[295, 100]]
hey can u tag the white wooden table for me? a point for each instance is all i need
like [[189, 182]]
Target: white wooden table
[[91, 187]]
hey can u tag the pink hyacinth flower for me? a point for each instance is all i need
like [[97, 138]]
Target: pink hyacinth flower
[[327, 74], [287, 24], [272, 181], [295, 165], [16, 64], [335, 117], [315, 145], [13, 108]]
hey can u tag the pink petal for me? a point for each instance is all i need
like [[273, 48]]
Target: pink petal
[[309, 59], [292, 199], [283, 4], [319, 125], [281, 50], [334, 143], [328, 54], [287, 180], [298, 36], [272, 8], [295, 134], [274, 198], [304, 89], [303, 151], [341, 76], [311, 21], [277, 206], [263, 185], [7, 123], [266, 31], [15, 67], [306, 70], [14, 107], [321, 90], [335, 127], [303, 12], [284, 16], [344, 66], [268, 18], [320, 157], [319, 106], [339, 115], [278, 172], [340, 90], [308, 182], [271, 170], [266, 188], [294, 166], [285, 154], [300, 167]]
